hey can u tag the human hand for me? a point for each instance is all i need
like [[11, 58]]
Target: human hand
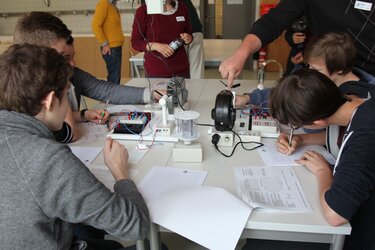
[[157, 94], [297, 59], [97, 115], [116, 158], [241, 100], [186, 37], [315, 162], [299, 37], [106, 50], [283, 146], [164, 49], [230, 68]]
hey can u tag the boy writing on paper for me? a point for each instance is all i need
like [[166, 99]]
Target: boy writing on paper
[[332, 54], [309, 99], [44, 187]]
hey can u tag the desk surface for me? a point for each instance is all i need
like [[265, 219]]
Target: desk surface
[[299, 226]]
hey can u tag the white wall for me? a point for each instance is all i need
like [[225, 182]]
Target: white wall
[[79, 23]]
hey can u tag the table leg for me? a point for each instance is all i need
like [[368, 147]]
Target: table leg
[[155, 242], [140, 245], [337, 242]]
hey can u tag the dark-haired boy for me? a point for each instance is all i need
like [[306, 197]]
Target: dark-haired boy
[[309, 99]]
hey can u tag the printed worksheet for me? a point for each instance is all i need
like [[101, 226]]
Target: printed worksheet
[[271, 187], [272, 157]]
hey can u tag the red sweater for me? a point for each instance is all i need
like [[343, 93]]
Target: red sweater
[[162, 28]]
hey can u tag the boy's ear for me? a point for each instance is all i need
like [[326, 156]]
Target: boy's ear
[[320, 122], [49, 101]]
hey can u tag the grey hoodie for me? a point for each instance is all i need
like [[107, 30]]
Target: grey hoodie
[[90, 86], [44, 188]]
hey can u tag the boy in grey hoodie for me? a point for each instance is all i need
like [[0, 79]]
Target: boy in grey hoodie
[[44, 188]]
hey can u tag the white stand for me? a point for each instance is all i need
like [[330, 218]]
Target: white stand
[[166, 127]]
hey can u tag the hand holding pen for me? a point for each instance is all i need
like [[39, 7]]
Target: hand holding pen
[[287, 143], [104, 112]]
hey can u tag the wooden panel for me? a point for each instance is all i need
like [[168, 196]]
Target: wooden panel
[[85, 53], [89, 58]]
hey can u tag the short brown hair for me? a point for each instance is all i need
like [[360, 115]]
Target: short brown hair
[[337, 50], [28, 74], [40, 28], [304, 97]]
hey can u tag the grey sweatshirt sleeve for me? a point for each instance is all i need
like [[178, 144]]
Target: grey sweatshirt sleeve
[[90, 86], [64, 188]]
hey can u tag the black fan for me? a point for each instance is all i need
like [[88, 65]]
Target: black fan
[[224, 113]]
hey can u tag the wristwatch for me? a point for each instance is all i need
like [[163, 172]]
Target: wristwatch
[[83, 115]]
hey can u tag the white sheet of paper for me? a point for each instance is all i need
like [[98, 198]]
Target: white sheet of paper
[[161, 179], [136, 155], [209, 216], [91, 131], [104, 175], [86, 154], [271, 157], [271, 187]]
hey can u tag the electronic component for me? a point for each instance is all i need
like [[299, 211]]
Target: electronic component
[[177, 93], [224, 113], [221, 138], [130, 122]]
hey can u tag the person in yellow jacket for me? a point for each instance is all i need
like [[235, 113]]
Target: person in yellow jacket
[[106, 25]]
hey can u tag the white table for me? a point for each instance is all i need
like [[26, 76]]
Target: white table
[[309, 227], [215, 51]]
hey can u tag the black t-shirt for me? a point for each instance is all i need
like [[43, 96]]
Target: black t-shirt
[[65, 134], [352, 192]]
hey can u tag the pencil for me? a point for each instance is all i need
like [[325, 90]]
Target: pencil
[[103, 113]]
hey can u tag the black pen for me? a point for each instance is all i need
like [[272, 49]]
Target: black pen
[[158, 93], [234, 86]]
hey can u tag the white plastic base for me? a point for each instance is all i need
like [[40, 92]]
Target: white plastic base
[[165, 130], [187, 153], [250, 135]]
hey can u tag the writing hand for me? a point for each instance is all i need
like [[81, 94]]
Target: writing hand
[[282, 143]]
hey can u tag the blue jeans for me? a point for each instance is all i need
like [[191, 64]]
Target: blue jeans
[[113, 62]]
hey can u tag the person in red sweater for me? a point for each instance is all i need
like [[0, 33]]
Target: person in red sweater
[[152, 34]]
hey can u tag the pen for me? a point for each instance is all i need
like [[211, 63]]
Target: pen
[[290, 139], [158, 92], [103, 113], [234, 86]]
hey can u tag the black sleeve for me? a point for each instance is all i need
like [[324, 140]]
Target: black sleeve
[[271, 25], [65, 134]]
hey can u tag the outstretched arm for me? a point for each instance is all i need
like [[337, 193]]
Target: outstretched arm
[[231, 67]]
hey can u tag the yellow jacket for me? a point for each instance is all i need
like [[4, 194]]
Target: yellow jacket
[[106, 24]]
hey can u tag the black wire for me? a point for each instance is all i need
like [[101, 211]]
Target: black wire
[[235, 146], [242, 144]]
